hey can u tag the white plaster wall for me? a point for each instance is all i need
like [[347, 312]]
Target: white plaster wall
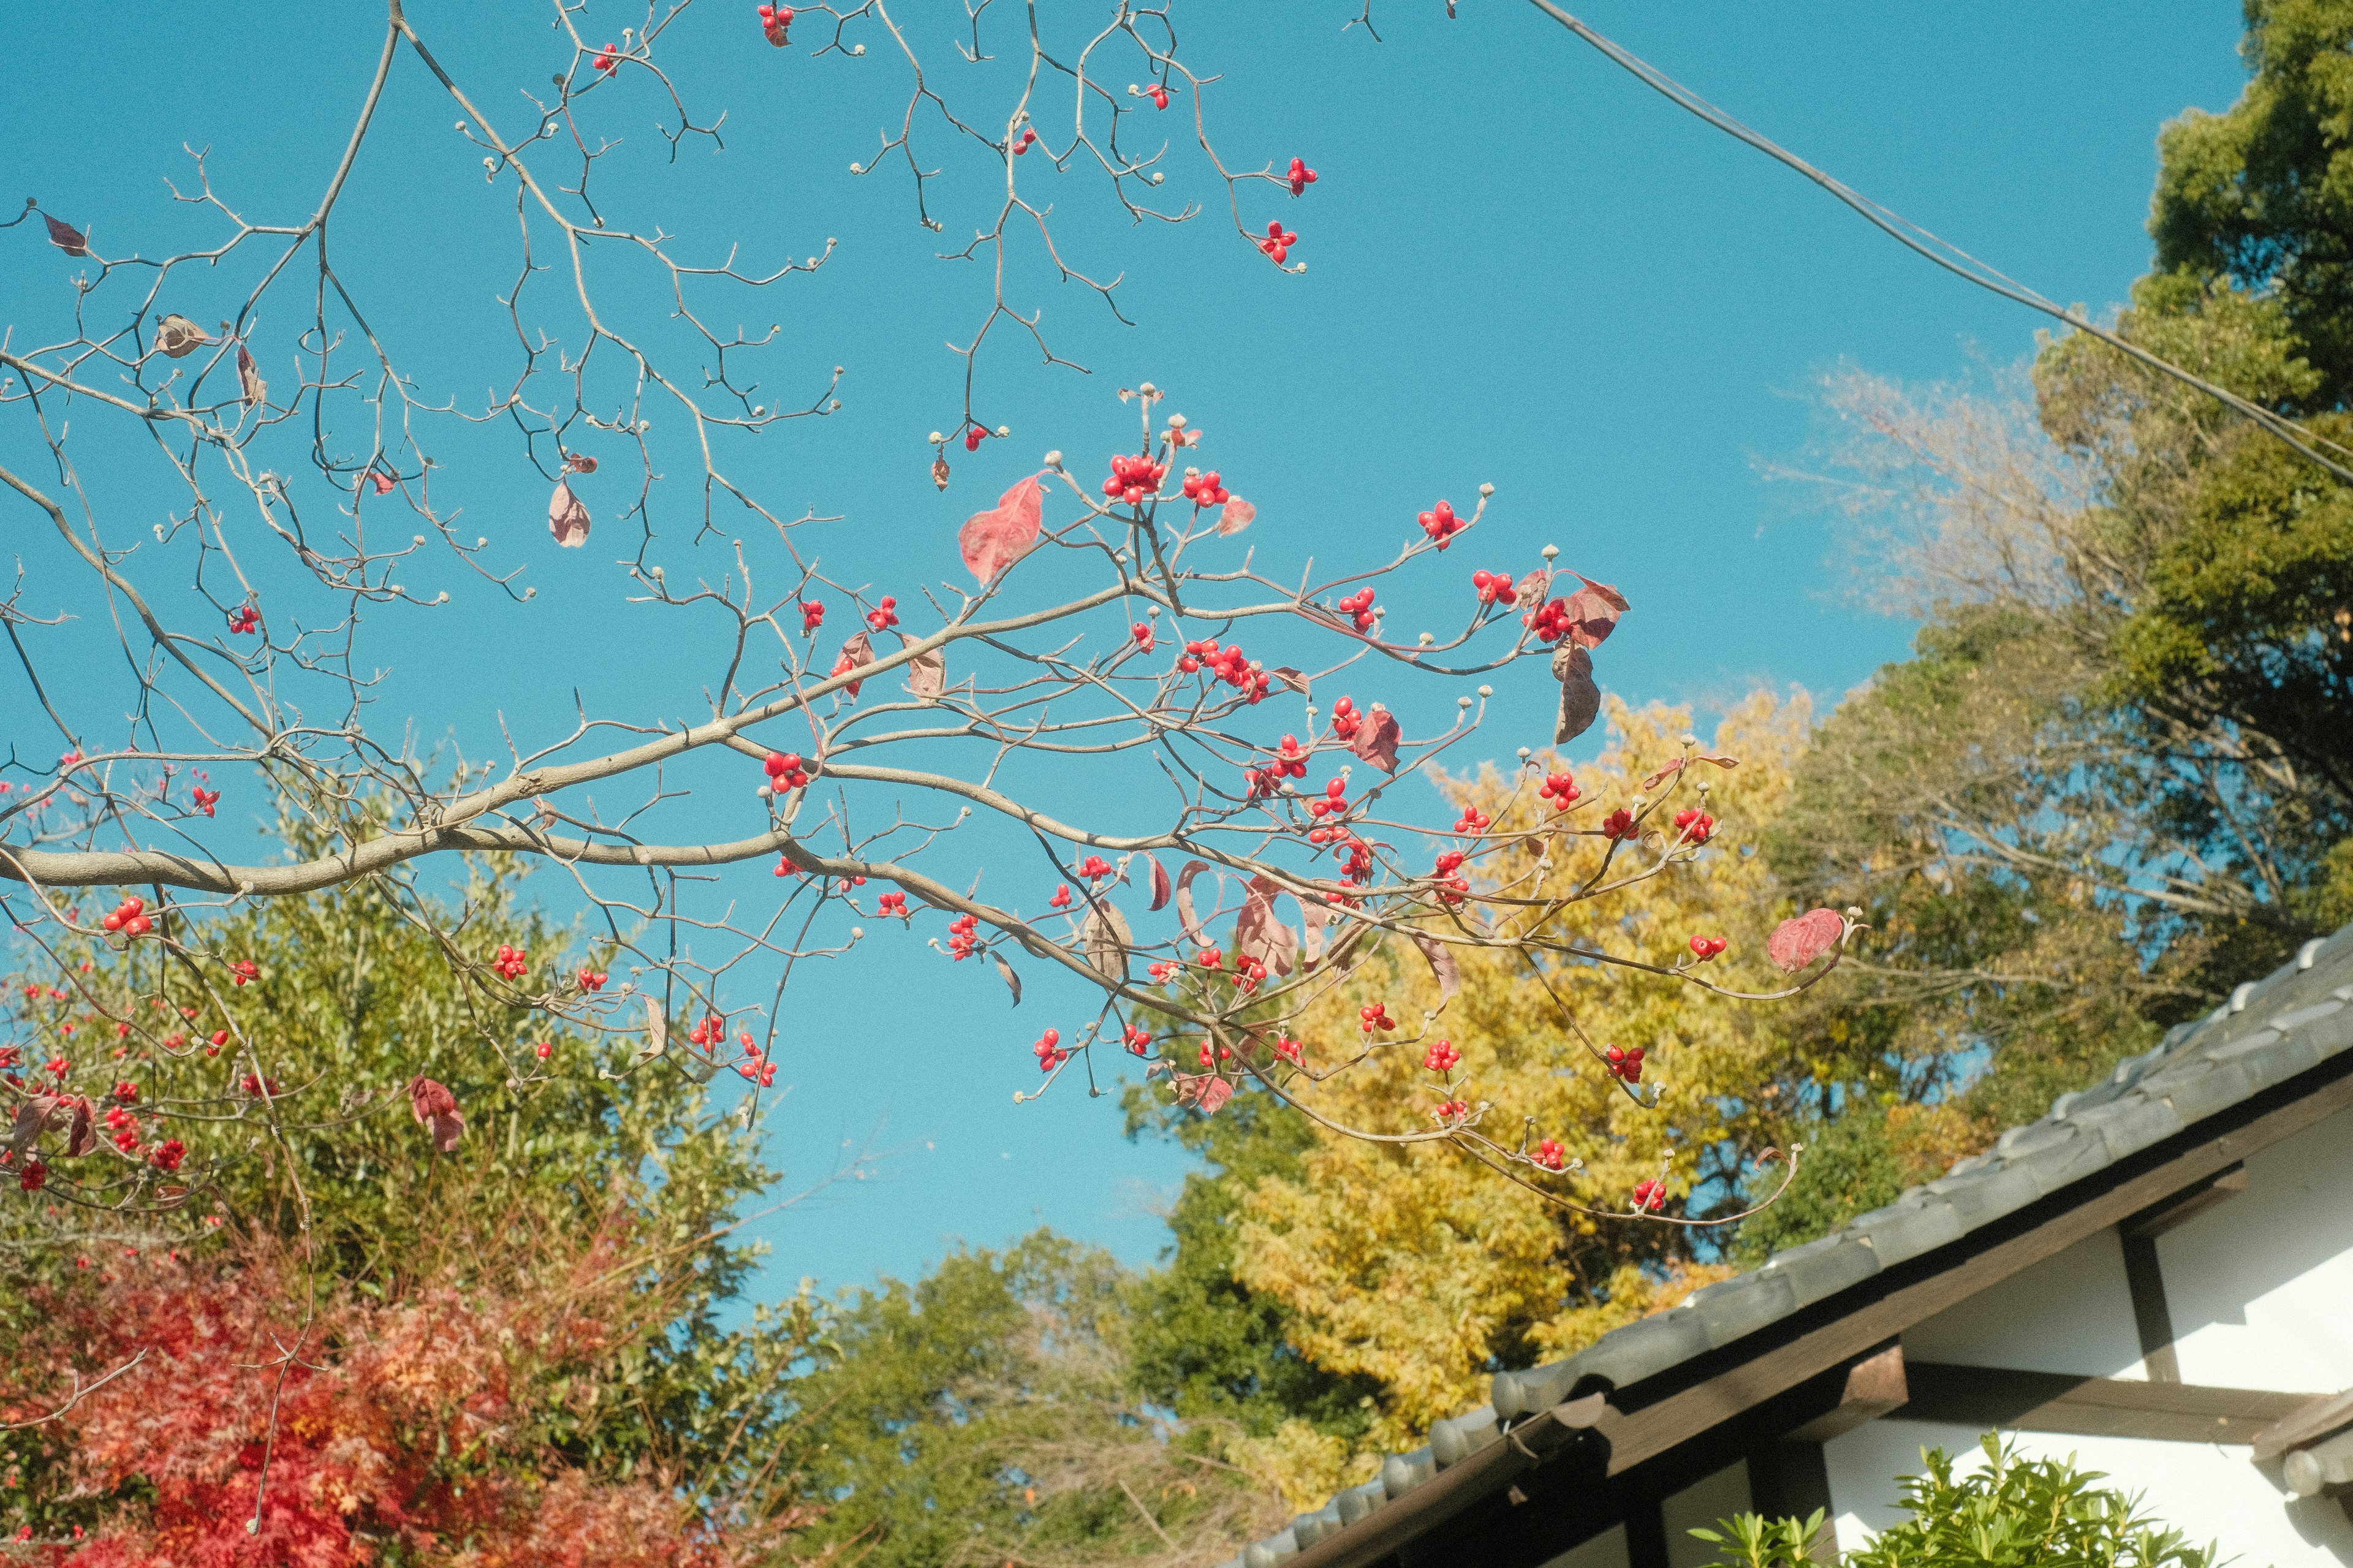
[[2208, 1491], [2261, 1288], [2071, 1313]]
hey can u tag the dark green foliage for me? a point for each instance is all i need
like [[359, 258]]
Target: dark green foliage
[[2012, 1513]]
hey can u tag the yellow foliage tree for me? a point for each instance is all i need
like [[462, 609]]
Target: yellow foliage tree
[[1414, 1263]]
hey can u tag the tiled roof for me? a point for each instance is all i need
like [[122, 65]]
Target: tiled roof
[[2268, 1032]]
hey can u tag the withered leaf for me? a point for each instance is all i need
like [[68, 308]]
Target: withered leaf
[[1672, 769], [436, 1109], [657, 1027], [1159, 884], [1257, 934], [1580, 698], [567, 516], [940, 472], [1532, 589], [176, 337], [249, 379], [1185, 915], [1234, 515], [1593, 611], [1441, 964], [927, 673], [1012, 981], [1203, 1091], [66, 237], [1106, 938], [858, 652]]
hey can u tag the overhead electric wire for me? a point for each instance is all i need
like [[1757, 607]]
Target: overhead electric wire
[[1945, 254]]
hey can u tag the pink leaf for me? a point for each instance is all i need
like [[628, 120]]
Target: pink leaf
[[1593, 611], [1257, 934], [994, 540], [66, 237], [1441, 964], [436, 1109], [1672, 769], [1580, 698], [1376, 739], [927, 673], [1235, 516], [1185, 915], [1797, 942], [249, 379], [856, 654], [1159, 883], [1205, 1092], [567, 516]]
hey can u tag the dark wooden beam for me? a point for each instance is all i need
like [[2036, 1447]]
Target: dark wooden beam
[[2152, 1319], [1919, 1289], [1875, 1385], [2184, 1207], [1994, 1396], [2308, 1423]]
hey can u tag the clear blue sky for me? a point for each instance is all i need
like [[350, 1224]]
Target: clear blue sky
[[1524, 268]]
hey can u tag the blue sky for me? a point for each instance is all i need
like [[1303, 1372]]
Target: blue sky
[[1524, 267]]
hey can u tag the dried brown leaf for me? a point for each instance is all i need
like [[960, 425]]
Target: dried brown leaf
[[1376, 739], [1580, 697], [1107, 939], [927, 673], [176, 337], [248, 380]]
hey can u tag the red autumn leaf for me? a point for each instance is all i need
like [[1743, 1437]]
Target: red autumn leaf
[[580, 462], [1376, 739], [66, 237], [927, 673], [1234, 515], [1593, 611], [567, 516], [1580, 697], [81, 1137], [858, 652], [1185, 915], [1159, 883], [436, 1108], [1799, 941], [1205, 1092], [996, 539]]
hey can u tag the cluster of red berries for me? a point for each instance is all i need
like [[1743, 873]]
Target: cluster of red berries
[[1291, 1050], [131, 918], [883, 615], [1300, 177], [32, 1178], [1358, 866], [978, 434], [167, 1155], [124, 1127], [812, 615], [1453, 1110], [1278, 242], [1559, 788], [1376, 1016], [786, 771], [1249, 973], [1210, 958], [1492, 587], [260, 1087], [1707, 947], [1165, 971], [711, 1031], [1440, 523], [964, 936], [1473, 820], [1442, 1057], [206, 799], [1625, 1064], [1551, 1155], [1141, 632], [1334, 803], [1345, 719], [593, 979], [1550, 620], [1228, 664], [1206, 490], [1138, 1041], [1649, 1196], [891, 904], [1062, 899], [609, 60], [1359, 607], [213, 1046], [1048, 1050], [244, 971], [1132, 478], [754, 1068], [1694, 825], [511, 963], [57, 1066], [1021, 144], [775, 20], [1620, 823], [846, 883], [1210, 1057], [1095, 868], [244, 618], [1289, 762]]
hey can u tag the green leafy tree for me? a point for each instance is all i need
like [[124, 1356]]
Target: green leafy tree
[[2013, 1511]]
